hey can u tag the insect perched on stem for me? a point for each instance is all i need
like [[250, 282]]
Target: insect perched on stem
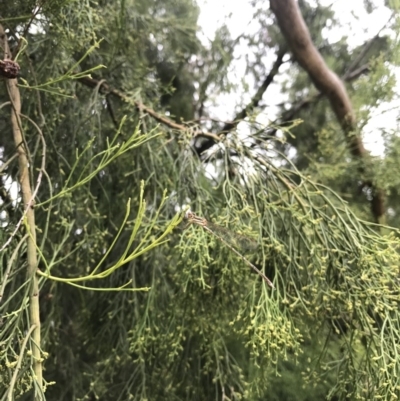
[[228, 237]]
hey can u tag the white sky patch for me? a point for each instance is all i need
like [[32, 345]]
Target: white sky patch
[[214, 13], [355, 23], [12, 189]]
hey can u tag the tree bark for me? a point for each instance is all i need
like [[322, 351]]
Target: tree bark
[[298, 38]]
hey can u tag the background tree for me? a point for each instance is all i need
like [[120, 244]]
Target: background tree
[[109, 136]]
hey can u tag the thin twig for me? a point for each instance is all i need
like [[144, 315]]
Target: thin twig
[[36, 11], [30, 203], [107, 89], [192, 218], [19, 362], [259, 94], [9, 266], [368, 45]]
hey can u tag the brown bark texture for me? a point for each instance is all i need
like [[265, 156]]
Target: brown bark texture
[[295, 31]]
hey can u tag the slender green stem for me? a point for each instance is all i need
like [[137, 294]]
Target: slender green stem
[[17, 369], [225, 236]]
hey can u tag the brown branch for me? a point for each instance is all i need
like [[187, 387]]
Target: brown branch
[[229, 126], [107, 89], [27, 197], [210, 137], [354, 74], [304, 103], [259, 94], [295, 31]]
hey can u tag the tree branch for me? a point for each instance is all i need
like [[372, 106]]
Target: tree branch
[[259, 94], [27, 197], [304, 103], [295, 31], [107, 89], [229, 126], [353, 65]]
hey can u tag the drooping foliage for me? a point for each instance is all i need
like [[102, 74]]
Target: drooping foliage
[[133, 304]]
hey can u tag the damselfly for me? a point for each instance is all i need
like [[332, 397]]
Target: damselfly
[[227, 237]]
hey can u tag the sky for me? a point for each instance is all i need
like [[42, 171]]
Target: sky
[[360, 25]]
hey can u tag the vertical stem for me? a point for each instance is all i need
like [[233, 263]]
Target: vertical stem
[[26, 191]]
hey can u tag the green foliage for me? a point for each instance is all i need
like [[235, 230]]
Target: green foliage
[[186, 318]]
